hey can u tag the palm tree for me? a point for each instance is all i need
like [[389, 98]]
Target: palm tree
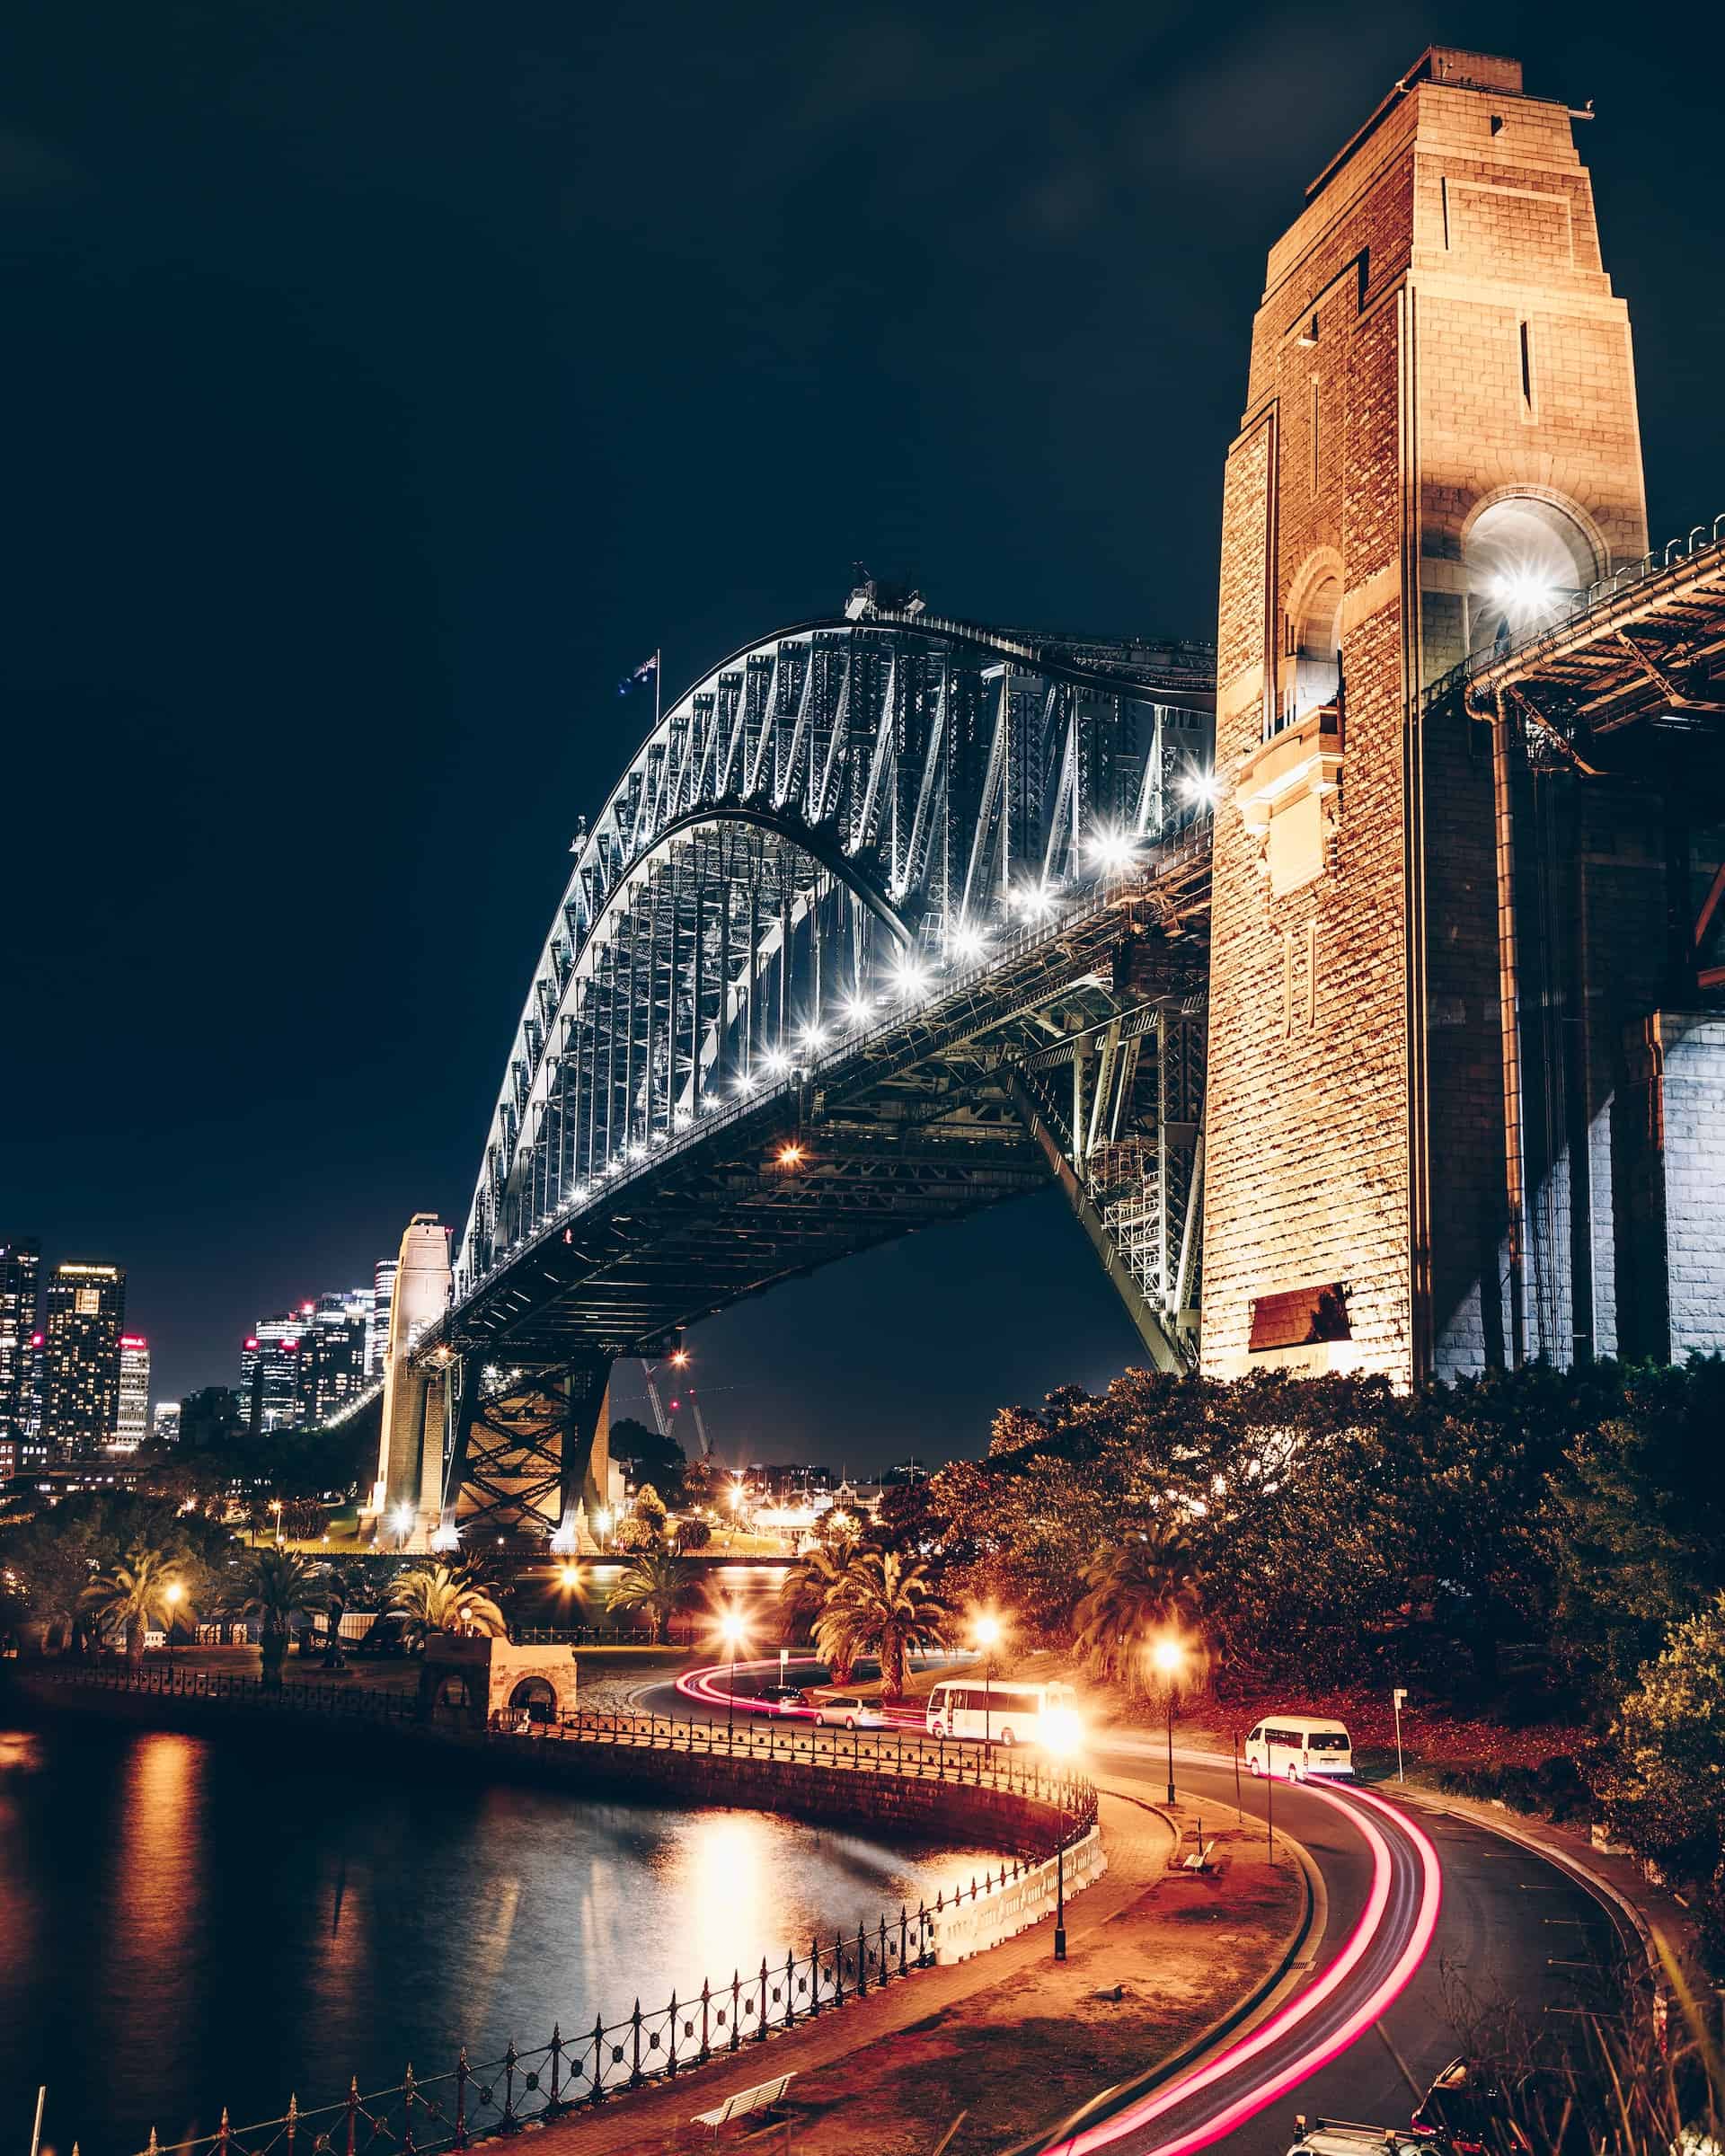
[[807, 1588], [448, 1598], [655, 1583], [1142, 1586], [129, 1593], [274, 1585], [883, 1605]]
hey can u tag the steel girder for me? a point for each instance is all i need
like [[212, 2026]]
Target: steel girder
[[843, 797]]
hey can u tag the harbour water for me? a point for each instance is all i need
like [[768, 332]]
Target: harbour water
[[187, 1922]]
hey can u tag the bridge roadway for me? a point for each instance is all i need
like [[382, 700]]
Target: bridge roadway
[[1407, 1894]]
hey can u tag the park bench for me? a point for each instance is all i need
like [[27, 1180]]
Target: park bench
[[766, 2096], [1199, 1860]]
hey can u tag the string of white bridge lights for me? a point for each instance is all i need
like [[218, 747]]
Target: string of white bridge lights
[[912, 977]]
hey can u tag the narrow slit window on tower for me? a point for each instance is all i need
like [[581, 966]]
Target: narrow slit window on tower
[[1525, 338], [1316, 467]]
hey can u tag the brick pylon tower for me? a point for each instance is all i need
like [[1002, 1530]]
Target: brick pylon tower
[[1440, 442]]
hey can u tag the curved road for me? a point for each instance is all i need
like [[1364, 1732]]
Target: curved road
[[1409, 1894]]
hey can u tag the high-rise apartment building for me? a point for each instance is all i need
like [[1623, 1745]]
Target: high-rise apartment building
[[164, 1423], [383, 1295], [339, 1342], [132, 1420], [86, 1315], [271, 1388], [21, 1266]]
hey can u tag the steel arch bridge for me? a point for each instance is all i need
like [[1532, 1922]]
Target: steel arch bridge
[[888, 918]]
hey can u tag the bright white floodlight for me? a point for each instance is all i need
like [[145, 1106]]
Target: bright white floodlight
[[1035, 901], [1199, 787], [858, 1009], [968, 944], [814, 1039], [910, 978], [1113, 851], [776, 1062], [1524, 593]]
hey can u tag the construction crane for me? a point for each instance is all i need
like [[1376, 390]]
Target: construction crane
[[678, 1359]]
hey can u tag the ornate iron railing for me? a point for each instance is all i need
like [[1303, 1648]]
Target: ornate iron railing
[[450, 2110]]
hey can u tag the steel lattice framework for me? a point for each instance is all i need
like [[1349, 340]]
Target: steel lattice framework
[[828, 817], [889, 919]]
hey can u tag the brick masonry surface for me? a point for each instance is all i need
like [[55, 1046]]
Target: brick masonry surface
[[1436, 333]]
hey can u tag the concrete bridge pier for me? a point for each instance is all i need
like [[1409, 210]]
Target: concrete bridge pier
[[406, 1496]]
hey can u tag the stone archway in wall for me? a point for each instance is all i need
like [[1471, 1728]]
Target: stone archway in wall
[[1528, 556], [534, 1698], [1311, 663]]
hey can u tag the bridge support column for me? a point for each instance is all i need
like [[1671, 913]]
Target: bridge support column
[[405, 1494], [529, 1449]]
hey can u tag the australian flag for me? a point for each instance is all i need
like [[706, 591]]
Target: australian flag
[[645, 671]]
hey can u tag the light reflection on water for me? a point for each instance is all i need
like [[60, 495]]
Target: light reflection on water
[[185, 1923]]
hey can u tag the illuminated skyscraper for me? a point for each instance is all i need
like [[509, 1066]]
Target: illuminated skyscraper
[[132, 1422], [21, 1266], [86, 1315], [271, 1386], [383, 1295]]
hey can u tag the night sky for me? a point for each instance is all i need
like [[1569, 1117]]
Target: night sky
[[383, 381]]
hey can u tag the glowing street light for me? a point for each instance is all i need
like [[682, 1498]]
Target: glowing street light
[[790, 1155], [987, 1638], [274, 1506], [1168, 1658], [910, 978], [731, 1631], [1062, 1734], [602, 1522], [172, 1594], [404, 1523], [858, 1009], [776, 1062]]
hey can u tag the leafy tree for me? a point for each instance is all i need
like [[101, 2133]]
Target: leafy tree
[[1637, 1522], [54, 1553], [883, 1605], [447, 1598], [655, 1583], [1665, 1787], [692, 1534], [649, 1458], [1137, 1587], [137, 1592], [274, 1586]]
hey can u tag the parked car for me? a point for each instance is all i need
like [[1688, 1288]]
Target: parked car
[[844, 1710]]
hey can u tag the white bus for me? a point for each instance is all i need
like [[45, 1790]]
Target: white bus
[[1002, 1713], [1295, 1745]]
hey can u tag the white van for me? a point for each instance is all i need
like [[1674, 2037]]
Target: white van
[[1000, 1713], [1295, 1745]]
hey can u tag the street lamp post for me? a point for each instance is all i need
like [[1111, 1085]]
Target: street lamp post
[[602, 1521], [1061, 1738], [987, 1639], [1168, 1656], [174, 1591], [731, 1627]]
